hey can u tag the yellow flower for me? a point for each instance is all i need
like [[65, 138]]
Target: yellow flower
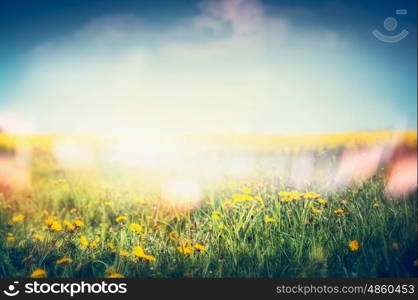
[[78, 223], [108, 204], [10, 237], [84, 241], [221, 226], [50, 220], [173, 235], [115, 275], [286, 199], [69, 226], [64, 260], [339, 211], [216, 215], [148, 257], [315, 210], [73, 210], [185, 249], [200, 248], [121, 219], [395, 246], [56, 226], [322, 201], [139, 252], [270, 220], [354, 245], [110, 246], [17, 219], [135, 227], [38, 273], [149, 217], [95, 242], [123, 253], [38, 237]]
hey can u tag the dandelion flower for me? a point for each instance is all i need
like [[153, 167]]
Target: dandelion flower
[[200, 247], [10, 237], [38, 237], [216, 215], [64, 260], [185, 249], [108, 204], [123, 253], [56, 226], [17, 219], [353, 245], [69, 226], [315, 210], [135, 228], [221, 226], [121, 219], [38, 273], [322, 201], [270, 220], [84, 241], [339, 211], [173, 235], [115, 275], [78, 223], [139, 252]]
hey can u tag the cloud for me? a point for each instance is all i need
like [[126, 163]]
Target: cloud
[[230, 68]]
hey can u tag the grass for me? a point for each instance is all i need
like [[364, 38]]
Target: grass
[[297, 242]]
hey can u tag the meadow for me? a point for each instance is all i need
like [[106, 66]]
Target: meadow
[[113, 221]]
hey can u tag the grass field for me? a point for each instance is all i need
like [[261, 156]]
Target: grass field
[[104, 222]]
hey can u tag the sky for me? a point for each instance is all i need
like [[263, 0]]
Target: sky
[[206, 66]]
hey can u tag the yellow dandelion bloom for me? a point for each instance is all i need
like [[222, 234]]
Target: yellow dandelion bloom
[[315, 210], [38, 237], [78, 223], [84, 241], [221, 226], [185, 249], [38, 273], [69, 226], [64, 260], [10, 237], [173, 235], [148, 257], [216, 215], [56, 226], [270, 220], [322, 201], [115, 275], [121, 219], [123, 253], [339, 211], [108, 204], [17, 219], [110, 246], [286, 199], [200, 247], [135, 228], [353, 245]]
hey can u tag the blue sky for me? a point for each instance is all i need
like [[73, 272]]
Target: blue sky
[[206, 66]]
